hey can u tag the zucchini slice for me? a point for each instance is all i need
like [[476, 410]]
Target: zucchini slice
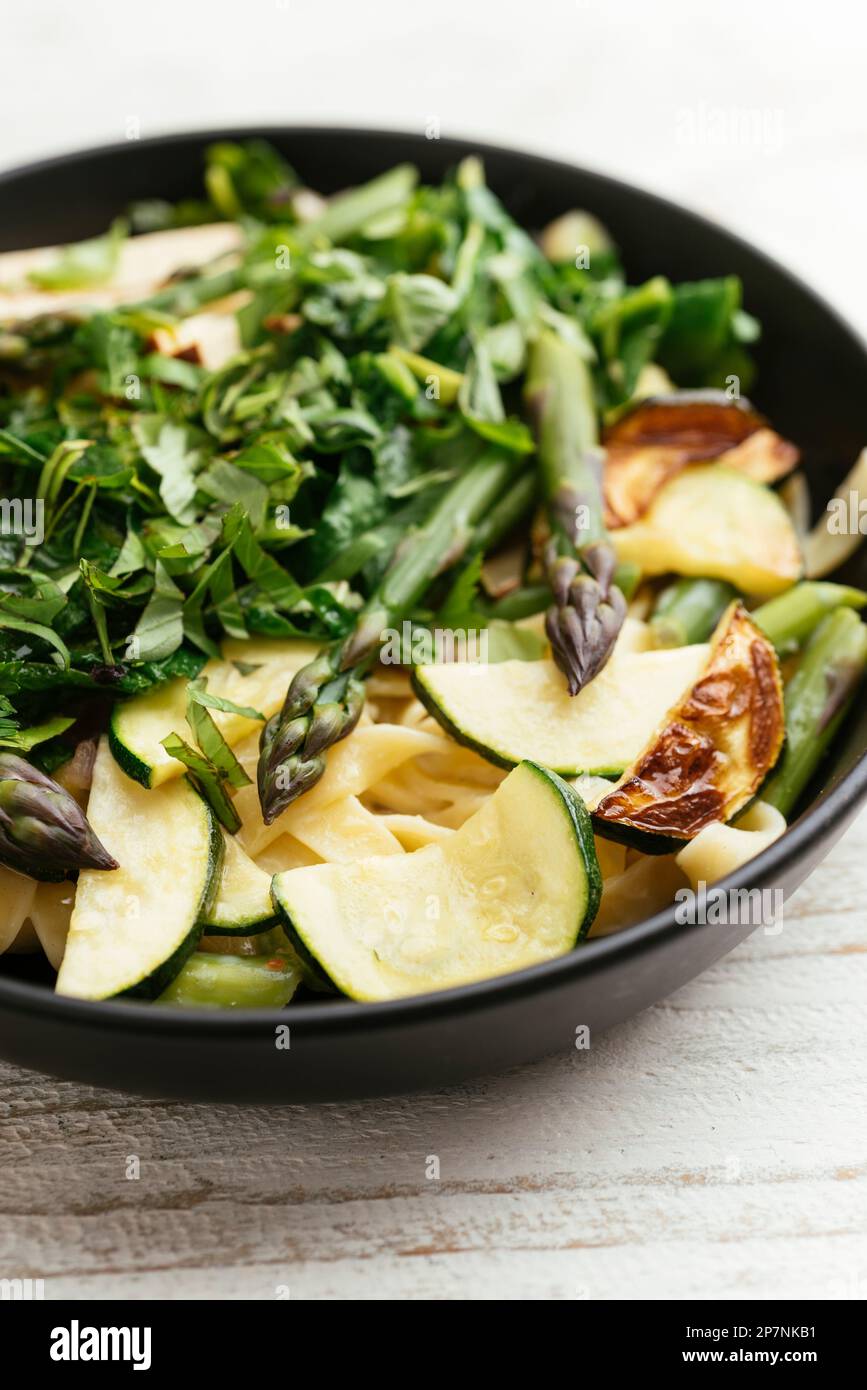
[[242, 905], [133, 927], [215, 981], [714, 522], [139, 725], [714, 749], [659, 436], [522, 709], [517, 884]]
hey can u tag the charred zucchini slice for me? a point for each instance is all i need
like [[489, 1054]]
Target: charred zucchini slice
[[713, 522], [658, 437], [713, 750]]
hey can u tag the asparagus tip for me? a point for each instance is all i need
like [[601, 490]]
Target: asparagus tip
[[587, 614], [43, 830], [94, 855], [286, 782]]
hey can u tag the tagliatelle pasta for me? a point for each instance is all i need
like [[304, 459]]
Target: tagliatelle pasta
[[414, 832], [719, 849], [646, 885], [286, 852], [396, 785], [50, 914], [16, 894], [356, 763], [26, 942], [344, 831]]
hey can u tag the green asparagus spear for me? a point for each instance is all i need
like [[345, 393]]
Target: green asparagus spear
[[818, 698], [589, 608], [506, 513], [535, 598], [521, 603], [43, 830], [189, 293], [378, 542], [688, 611], [381, 540], [789, 618], [627, 577], [326, 697]]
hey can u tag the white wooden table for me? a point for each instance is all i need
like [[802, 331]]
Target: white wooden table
[[714, 1146]]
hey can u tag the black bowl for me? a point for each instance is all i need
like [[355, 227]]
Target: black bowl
[[812, 383]]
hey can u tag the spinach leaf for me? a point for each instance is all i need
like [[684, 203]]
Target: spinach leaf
[[175, 452]]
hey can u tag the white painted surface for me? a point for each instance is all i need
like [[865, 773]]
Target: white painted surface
[[715, 1146]]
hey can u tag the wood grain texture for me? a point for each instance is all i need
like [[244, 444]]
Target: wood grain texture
[[715, 1146]]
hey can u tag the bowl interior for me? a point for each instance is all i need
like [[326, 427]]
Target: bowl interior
[[812, 378]]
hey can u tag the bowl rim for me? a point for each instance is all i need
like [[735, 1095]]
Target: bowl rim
[[346, 1016]]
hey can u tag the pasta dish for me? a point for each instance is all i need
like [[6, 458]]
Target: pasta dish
[[391, 597]]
